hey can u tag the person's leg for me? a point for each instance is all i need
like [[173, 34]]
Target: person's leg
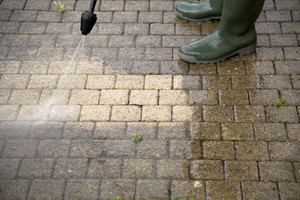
[[199, 11], [234, 35]]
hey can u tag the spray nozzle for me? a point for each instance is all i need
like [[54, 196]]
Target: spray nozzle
[[88, 19]]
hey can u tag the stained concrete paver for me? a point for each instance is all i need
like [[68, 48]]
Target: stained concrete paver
[[208, 131]]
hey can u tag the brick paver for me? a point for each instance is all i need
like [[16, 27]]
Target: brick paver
[[208, 131]]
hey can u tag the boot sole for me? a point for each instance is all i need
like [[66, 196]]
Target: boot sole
[[178, 14], [241, 52]]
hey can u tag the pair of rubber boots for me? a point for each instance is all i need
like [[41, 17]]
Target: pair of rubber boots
[[235, 34]]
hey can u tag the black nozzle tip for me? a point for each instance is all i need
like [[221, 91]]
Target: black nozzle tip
[[88, 21]]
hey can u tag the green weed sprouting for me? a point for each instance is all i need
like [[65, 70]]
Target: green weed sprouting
[[280, 103], [115, 198], [137, 138], [62, 5]]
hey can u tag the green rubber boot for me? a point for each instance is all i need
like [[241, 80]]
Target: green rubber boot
[[199, 11], [235, 35]]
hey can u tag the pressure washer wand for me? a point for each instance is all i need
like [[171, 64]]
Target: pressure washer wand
[[92, 6], [88, 19]]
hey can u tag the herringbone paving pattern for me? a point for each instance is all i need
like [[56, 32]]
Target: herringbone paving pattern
[[209, 131]]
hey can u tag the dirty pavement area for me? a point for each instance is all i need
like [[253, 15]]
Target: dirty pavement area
[[207, 131]]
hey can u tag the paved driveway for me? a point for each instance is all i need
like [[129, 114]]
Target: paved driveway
[[209, 131]]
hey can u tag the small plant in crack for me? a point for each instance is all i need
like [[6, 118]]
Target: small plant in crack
[[280, 103], [62, 5], [115, 198], [137, 138]]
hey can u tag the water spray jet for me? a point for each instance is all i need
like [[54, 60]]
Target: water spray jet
[[88, 19]]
